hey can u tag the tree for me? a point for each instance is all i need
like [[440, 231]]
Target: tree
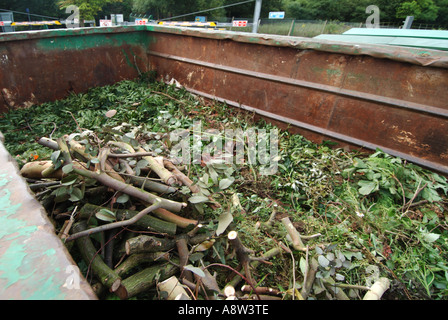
[[424, 10], [442, 18], [40, 7], [124, 7]]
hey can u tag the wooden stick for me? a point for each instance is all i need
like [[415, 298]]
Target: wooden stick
[[184, 253], [129, 189], [139, 259], [181, 176], [146, 243], [146, 222], [163, 173], [114, 225], [105, 275], [261, 290], [243, 255], [294, 234], [147, 278], [181, 222], [378, 289], [151, 185]]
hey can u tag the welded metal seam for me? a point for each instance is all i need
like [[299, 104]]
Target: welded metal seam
[[310, 85]]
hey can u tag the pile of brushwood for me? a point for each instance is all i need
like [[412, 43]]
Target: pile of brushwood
[[141, 224]]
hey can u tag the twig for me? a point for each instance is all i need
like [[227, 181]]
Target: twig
[[242, 253], [233, 270], [413, 198], [118, 224], [67, 225], [294, 234]]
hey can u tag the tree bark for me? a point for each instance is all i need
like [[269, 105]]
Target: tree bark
[[146, 279], [161, 171], [129, 189], [171, 217], [139, 259], [145, 243]]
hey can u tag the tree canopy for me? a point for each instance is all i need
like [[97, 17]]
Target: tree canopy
[[427, 11]]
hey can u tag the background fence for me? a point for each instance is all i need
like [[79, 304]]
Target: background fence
[[312, 28]]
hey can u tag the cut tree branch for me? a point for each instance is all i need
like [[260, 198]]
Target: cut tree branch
[[118, 224]]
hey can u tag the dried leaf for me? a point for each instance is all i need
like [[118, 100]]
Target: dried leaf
[[111, 113]]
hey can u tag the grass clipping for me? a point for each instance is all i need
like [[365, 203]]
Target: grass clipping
[[329, 224]]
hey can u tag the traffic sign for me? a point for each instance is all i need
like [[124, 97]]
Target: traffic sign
[[141, 22], [277, 15], [239, 23], [105, 23]]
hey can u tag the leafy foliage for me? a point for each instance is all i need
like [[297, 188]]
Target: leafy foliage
[[378, 215]]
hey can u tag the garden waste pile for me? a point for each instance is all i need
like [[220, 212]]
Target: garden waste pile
[[159, 194]]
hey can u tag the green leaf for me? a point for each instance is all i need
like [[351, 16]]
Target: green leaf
[[123, 198], [225, 183], [195, 270], [105, 215], [76, 194], [198, 199], [323, 262], [55, 155], [195, 256], [430, 237], [303, 265], [367, 187], [224, 220], [142, 163], [67, 168], [69, 180]]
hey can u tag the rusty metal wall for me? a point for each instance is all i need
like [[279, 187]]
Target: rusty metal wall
[[37, 67], [389, 97], [383, 97]]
